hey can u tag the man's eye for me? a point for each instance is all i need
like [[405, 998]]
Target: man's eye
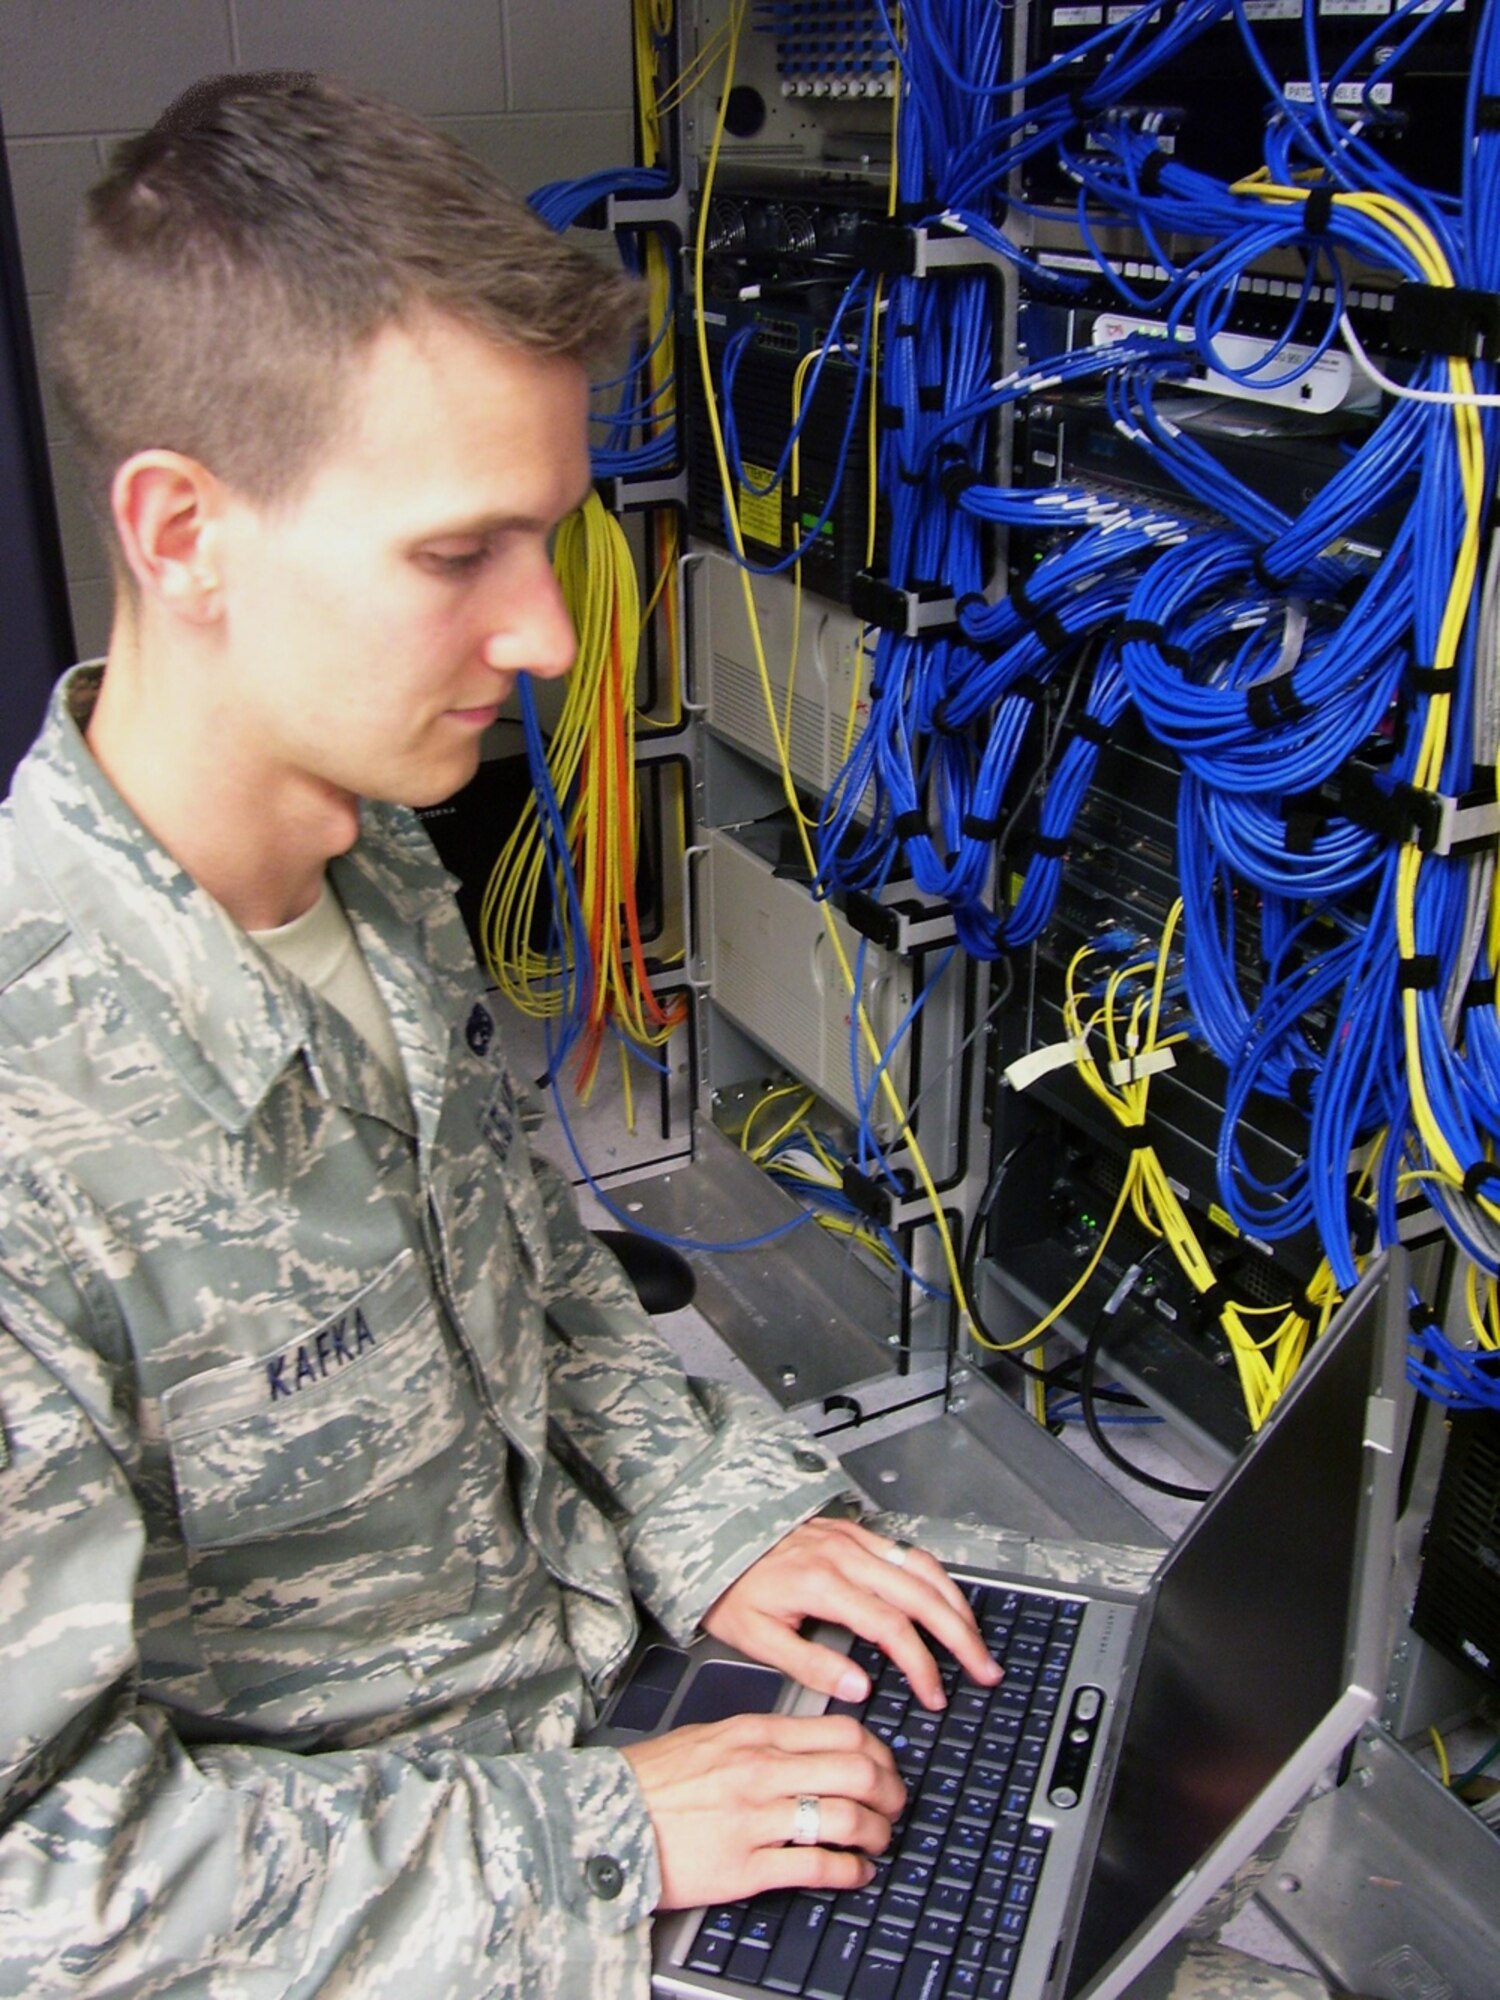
[[454, 562]]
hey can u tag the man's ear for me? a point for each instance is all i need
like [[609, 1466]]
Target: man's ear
[[167, 511]]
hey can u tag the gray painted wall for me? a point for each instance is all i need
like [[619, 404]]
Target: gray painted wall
[[540, 89]]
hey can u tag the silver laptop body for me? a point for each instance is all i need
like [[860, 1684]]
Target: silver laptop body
[[1193, 1720]]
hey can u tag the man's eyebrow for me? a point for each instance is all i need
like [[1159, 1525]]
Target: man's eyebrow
[[500, 523]]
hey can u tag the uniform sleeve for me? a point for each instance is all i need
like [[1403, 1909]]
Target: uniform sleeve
[[132, 1863], [699, 1479]]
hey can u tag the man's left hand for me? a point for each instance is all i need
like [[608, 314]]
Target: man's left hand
[[882, 1590]]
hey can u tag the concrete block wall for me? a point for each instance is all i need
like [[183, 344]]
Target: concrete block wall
[[539, 89]]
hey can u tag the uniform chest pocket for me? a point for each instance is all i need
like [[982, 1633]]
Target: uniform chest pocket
[[331, 1417]]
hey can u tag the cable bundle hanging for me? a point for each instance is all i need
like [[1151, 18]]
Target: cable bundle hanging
[[577, 834]]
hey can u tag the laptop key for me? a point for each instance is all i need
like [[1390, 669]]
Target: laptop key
[[858, 1906], [748, 1962], [725, 1918], [909, 1873], [994, 1986], [711, 1952], [876, 1979], [834, 1967], [980, 1921], [888, 1940], [797, 1947], [937, 1933], [763, 1919], [923, 1977], [960, 1869], [903, 1907]]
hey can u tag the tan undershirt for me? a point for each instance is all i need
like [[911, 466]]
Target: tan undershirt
[[321, 948]]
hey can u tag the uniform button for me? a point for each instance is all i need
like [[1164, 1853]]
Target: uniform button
[[809, 1461], [604, 1876]]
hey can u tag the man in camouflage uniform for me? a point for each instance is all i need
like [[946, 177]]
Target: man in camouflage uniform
[[335, 1456]]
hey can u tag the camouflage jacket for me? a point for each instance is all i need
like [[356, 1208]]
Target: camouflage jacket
[[333, 1454]]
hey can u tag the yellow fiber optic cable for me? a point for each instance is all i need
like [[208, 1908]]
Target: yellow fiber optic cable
[[590, 760], [846, 971]]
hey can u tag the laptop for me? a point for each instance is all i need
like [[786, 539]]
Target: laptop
[[1060, 1833]]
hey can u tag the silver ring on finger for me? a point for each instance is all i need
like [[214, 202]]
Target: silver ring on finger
[[897, 1553], [807, 1821]]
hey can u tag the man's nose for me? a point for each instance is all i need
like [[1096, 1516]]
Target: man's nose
[[533, 633]]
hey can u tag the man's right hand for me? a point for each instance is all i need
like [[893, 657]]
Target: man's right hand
[[723, 1799]]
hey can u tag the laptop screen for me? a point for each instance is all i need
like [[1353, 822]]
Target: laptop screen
[[1259, 1627]]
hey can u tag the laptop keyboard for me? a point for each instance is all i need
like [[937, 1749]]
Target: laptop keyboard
[[944, 1917]]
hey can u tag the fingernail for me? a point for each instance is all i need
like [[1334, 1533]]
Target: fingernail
[[853, 1685]]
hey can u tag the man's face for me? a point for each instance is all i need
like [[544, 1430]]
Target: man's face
[[376, 621]]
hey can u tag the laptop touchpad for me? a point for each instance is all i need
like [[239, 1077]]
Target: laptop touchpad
[[722, 1688]]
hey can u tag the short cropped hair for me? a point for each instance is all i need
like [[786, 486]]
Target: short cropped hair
[[263, 231]]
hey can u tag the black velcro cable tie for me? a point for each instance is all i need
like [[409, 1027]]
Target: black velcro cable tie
[[1480, 992], [1092, 730], [1317, 211], [1137, 1140], [1151, 172], [976, 828], [1422, 812], [907, 329], [910, 478], [1155, 635], [1479, 1177], [1213, 1302], [1263, 576], [1050, 846], [875, 600], [1487, 114], [943, 723], [1047, 626], [1306, 1308], [1306, 815], [991, 649], [908, 824], [1300, 1087], [890, 417], [1027, 686], [1446, 320], [972, 600], [1274, 701], [1370, 805], [955, 481], [929, 396], [1418, 974], [1421, 1319], [1431, 680], [1361, 1227]]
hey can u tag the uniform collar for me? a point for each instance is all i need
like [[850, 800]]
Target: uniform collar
[[223, 1015]]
